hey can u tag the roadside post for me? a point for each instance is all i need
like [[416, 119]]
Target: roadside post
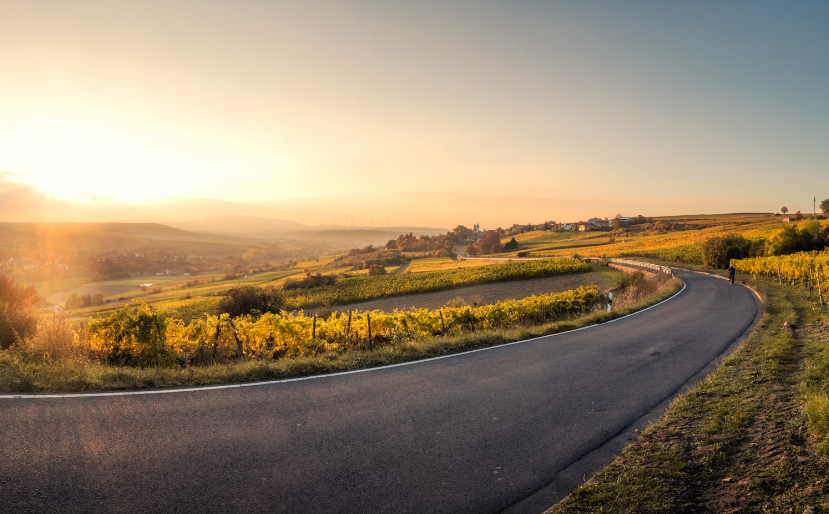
[[609, 302]]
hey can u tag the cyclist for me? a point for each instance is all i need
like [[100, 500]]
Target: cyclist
[[731, 273]]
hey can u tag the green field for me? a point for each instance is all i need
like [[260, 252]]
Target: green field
[[674, 245], [362, 288]]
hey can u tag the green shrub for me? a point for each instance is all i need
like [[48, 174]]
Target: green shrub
[[375, 270], [132, 336], [630, 280], [803, 237], [250, 300], [717, 252]]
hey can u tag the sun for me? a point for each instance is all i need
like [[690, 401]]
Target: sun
[[83, 160]]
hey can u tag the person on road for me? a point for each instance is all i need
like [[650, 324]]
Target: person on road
[[731, 273]]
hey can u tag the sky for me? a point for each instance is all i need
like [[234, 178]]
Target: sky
[[410, 113]]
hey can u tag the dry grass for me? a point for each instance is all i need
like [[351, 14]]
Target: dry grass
[[54, 340]]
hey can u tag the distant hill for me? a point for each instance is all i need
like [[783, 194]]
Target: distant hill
[[96, 237], [244, 226], [253, 226]]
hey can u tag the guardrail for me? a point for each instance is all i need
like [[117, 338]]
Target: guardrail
[[655, 268]]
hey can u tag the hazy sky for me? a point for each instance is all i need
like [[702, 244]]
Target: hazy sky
[[411, 112]]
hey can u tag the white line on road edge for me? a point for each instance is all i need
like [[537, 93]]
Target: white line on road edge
[[314, 377]]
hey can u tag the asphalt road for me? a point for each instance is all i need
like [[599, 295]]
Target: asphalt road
[[471, 433]]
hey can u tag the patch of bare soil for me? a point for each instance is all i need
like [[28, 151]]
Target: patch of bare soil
[[485, 293]]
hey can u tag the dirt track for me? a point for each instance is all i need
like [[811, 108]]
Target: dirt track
[[485, 293]]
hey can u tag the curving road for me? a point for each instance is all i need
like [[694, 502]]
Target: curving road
[[480, 432]]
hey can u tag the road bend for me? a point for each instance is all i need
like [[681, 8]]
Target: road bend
[[477, 432]]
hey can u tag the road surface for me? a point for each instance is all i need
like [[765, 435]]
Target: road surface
[[479, 432]]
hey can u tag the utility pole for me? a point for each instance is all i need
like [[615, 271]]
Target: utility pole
[[814, 204]]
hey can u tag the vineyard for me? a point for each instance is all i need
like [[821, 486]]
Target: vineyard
[[677, 246], [356, 289], [809, 269], [142, 336]]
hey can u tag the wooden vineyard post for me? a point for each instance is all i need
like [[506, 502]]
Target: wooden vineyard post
[[442, 323], [348, 328], [370, 344], [779, 277], [314, 328], [819, 292]]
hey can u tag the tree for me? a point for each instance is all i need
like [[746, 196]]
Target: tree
[[471, 250], [784, 209], [788, 240], [461, 233], [73, 301], [250, 300], [490, 243], [798, 216], [511, 245], [17, 321], [824, 206], [717, 252], [376, 270]]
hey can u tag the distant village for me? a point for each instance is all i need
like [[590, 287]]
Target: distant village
[[580, 226]]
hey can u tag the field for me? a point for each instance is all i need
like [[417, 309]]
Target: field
[[362, 288], [675, 245], [602, 277], [191, 297], [175, 294], [441, 264]]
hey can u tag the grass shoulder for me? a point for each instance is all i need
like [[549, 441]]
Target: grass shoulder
[[752, 437]]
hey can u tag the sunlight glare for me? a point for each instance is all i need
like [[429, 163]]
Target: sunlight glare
[[83, 160]]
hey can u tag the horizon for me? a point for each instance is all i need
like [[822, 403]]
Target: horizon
[[426, 115]]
